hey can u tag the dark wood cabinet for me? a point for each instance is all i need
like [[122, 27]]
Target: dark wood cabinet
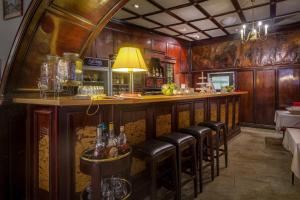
[[265, 96], [288, 86], [245, 82]]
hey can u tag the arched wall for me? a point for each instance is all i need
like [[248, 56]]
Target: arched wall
[[52, 27]]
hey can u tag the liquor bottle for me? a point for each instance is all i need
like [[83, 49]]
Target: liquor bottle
[[153, 71], [99, 151], [111, 146], [122, 141], [161, 72], [157, 72], [122, 136]]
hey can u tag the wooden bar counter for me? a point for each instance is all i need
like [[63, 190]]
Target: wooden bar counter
[[58, 130]]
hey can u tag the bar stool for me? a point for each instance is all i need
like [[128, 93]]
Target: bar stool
[[203, 135], [184, 142], [154, 152], [219, 127]]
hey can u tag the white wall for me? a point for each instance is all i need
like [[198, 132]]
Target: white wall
[[8, 30]]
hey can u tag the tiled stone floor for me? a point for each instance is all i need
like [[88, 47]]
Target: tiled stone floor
[[259, 169]]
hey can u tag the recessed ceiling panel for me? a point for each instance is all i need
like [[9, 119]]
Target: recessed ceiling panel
[[258, 14], [189, 13], [247, 3], [122, 14], [289, 19], [216, 7], [229, 19], [143, 22], [287, 6], [215, 33], [141, 7], [171, 3], [233, 29], [183, 28], [185, 38], [204, 24], [197, 36], [167, 31], [164, 18]]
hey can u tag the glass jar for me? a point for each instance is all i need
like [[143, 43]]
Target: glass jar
[[48, 73], [70, 70]]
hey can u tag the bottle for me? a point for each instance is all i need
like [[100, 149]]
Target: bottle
[[153, 71], [161, 72], [122, 137], [157, 72], [111, 146], [99, 151], [122, 141]]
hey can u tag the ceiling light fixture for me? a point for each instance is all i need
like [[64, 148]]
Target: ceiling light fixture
[[136, 6], [255, 32]]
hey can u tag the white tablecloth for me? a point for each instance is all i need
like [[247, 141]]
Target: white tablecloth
[[284, 118], [291, 142]]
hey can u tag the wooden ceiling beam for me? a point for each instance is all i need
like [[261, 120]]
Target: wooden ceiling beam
[[239, 10], [273, 9]]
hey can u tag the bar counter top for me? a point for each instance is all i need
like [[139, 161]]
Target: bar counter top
[[69, 101]]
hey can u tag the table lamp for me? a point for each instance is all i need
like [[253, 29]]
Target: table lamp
[[129, 60]]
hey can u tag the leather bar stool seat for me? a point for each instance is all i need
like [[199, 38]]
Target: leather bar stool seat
[[184, 143], [220, 139], [154, 152], [203, 135]]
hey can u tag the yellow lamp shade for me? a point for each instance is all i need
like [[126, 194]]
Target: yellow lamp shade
[[129, 59]]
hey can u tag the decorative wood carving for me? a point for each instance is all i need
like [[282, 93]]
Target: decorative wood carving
[[163, 124], [85, 138], [280, 49], [199, 112], [223, 112], [230, 115], [237, 112], [213, 111]]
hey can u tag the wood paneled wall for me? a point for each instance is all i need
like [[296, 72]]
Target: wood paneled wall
[[116, 35], [269, 89], [268, 70]]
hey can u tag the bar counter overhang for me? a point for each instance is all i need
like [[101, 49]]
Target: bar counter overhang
[[58, 130]]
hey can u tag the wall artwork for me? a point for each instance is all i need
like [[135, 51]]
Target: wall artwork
[[12, 9], [278, 49]]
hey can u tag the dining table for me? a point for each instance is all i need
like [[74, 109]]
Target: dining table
[[291, 142], [284, 119]]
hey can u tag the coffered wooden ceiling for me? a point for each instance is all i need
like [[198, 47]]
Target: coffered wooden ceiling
[[204, 19]]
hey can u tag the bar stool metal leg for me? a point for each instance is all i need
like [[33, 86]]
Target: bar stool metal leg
[[194, 169], [153, 170], [225, 145], [175, 175], [212, 163], [217, 147]]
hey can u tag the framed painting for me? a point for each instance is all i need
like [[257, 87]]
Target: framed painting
[[12, 9]]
